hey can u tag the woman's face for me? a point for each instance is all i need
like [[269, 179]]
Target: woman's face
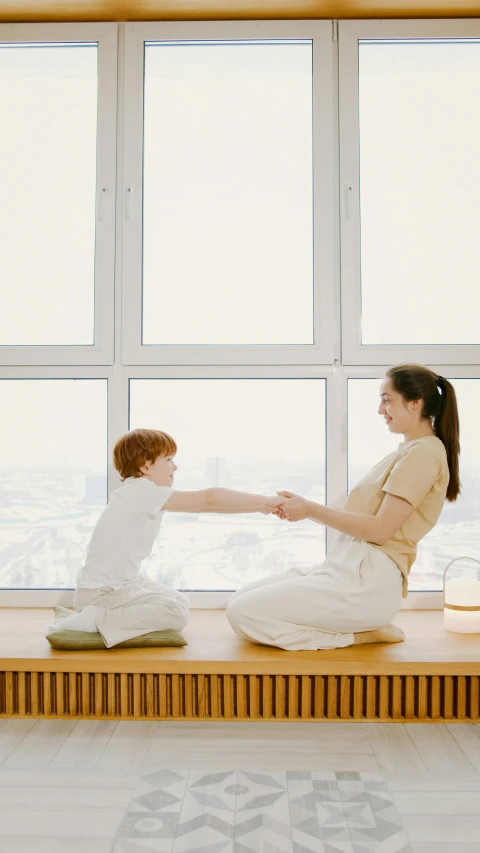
[[399, 415]]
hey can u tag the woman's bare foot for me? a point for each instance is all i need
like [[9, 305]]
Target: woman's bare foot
[[386, 634]]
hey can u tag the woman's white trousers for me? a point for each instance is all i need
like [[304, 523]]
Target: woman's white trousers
[[357, 588]]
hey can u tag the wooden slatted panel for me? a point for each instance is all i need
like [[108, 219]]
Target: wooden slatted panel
[[162, 696], [47, 694], [71, 696], [21, 693], [371, 698], [149, 695], [123, 694], [214, 708], [474, 697], [332, 697], [460, 710], [358, 697], [189, 696], [225, 685], [280, 697], [267, 697], [435, 697], [409, 698], [187, 689], [110, 694], [398, 687], [292, 710], [448, 697], [306, 698], [59, 708], [319, 697], [175, 686], [137, 688], [383, 696], [100, 692], [35, 695], [9, 703], [240, 697], [345, 697], [422, 698]]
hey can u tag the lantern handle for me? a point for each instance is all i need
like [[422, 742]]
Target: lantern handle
[[451, 564]]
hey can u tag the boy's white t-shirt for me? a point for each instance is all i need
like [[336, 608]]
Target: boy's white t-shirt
[[124, 534]]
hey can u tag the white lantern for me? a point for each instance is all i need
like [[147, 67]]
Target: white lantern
[[461, 602]]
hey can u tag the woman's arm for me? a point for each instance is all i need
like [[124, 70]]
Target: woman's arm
[[221, 500], [379, 528]]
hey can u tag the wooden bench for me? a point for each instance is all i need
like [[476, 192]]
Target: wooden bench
[[432, 677]]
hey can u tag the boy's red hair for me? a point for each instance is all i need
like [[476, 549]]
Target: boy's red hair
[[139, 446]]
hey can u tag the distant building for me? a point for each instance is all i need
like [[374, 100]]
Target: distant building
[[216, 471]]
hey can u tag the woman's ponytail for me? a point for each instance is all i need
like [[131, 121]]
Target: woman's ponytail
[[447, 429], [416, 382]]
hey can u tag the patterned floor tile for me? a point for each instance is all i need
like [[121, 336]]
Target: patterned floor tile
[[373, 821], [230, 811]]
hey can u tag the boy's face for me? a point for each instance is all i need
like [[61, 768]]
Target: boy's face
[[161, 472]]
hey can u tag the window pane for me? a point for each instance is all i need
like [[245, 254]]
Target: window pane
[[228, 224], [249, 434], [420, 185], [457, 532], [53, 478], [48, 105]]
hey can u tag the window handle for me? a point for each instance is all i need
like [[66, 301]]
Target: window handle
[[348, 198], [102, 203], [128, 203]]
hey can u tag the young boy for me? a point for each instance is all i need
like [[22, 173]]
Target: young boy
[[112, 595]]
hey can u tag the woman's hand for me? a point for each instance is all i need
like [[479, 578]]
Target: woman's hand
[[273, 504], [293, 508]]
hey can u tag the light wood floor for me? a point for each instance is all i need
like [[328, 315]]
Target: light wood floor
[[65, 785]]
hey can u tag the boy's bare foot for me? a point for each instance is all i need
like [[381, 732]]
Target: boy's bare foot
[[386, 634]]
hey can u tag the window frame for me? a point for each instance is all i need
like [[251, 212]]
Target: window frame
[[326, 364], [336, 390], [102, 350], [321, 351], [350, 33]]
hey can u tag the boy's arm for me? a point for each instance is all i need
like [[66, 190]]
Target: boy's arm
[[221, 500]]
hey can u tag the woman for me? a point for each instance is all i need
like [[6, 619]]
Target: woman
[[353, 596]]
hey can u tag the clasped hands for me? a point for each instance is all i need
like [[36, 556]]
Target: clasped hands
[[289, 507]]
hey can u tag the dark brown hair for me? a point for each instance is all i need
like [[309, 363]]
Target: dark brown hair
[[416, 382], [139, 446]]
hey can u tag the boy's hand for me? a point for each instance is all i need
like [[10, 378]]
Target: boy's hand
[[293, 508], [274, 505]]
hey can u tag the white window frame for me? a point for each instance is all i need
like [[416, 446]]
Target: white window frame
[[350, 32], [189, 364], [102, 350], [336, 443], [321, 352]]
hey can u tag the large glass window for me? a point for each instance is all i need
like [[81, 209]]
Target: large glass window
[[419, 190], [48, 105], [256, 435], [457, 532], [269, 228], [227, 191], [53, 478]]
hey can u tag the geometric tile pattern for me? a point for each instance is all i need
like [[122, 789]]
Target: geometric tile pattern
[[230, 811]]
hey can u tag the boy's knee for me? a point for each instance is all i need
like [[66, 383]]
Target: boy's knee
[[180, 615]]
